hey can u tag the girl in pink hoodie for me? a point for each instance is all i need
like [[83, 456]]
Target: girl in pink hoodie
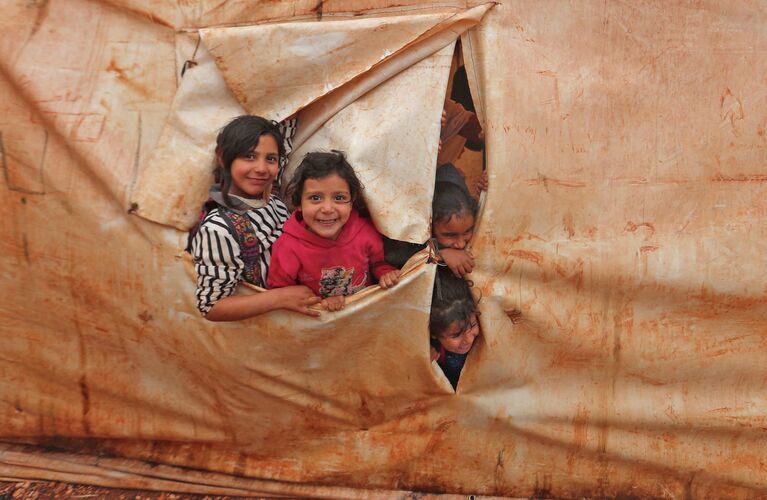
[[328, 244]]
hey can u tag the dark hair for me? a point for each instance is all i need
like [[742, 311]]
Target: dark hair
[[237, 139], [320, 164], [451, 301], [450, 200]]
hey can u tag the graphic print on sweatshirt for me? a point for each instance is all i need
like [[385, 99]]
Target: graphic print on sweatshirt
[[339, 280]]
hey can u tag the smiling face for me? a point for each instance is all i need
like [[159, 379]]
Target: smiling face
[[254, 173], [459, 336], [326, 205], [455, 232]]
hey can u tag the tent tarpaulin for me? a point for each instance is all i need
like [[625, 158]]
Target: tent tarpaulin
[[626, 153]]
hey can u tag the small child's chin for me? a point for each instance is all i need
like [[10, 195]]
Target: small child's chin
[[459, 350], [250, 192]]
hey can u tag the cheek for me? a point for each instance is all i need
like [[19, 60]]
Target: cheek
[[307, 209], [449, 343], [443, 241], [439, 235], [345, 211], [236, 170], [272, 168]]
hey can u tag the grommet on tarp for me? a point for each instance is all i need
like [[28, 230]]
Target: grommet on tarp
[[187, 64]]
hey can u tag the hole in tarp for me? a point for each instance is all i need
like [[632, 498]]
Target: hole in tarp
[[462, 136], [460, 166], [454, 324], [460, 160]]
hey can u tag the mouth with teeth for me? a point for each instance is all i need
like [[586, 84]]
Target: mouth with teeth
[[326, 222]]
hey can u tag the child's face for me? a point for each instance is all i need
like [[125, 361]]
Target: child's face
[[326, 205], [456, 232], [459, 337], [253, 175]]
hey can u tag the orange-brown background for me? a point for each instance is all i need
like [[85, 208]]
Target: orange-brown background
[[626, 152]]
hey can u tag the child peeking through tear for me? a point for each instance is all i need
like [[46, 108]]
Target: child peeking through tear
[[453, 323], [329, 244]]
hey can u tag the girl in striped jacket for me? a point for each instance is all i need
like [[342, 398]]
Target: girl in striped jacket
[[241, 220]]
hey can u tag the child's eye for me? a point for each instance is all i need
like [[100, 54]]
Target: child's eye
[[342, 198], [250, 156], [271, 159], [314, 197]]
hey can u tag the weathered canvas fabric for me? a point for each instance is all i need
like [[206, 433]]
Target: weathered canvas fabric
[[626, 151]]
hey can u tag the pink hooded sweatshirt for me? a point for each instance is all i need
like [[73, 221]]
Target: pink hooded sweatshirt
[[329, 267]]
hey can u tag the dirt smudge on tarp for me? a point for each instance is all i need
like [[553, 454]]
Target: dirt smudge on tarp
[[86, 404], [122, 76]]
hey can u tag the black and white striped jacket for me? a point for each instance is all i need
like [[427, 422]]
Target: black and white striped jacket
[[216, 251]]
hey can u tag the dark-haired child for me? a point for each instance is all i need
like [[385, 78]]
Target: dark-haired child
[[453, 215], [454, 212], [327, 244], [453, 324], [242, 219]]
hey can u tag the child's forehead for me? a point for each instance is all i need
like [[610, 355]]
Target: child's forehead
[[332, 181], [457, 326], [264, 141], [461, 220]]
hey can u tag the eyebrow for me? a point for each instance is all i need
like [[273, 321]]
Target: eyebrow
[[323, 192], [252, 151]]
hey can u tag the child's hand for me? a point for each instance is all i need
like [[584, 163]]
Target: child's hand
[[297, 298], [334, 303], [443, 118], [433, 353], [389, 279], [461, 262], [482, 183]]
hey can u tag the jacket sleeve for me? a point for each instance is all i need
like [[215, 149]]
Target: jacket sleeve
[[378, 266], [284, 265], [216, 256]]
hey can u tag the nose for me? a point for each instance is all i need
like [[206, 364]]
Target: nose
[[260, 166], [327, 206], [460, 243]]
